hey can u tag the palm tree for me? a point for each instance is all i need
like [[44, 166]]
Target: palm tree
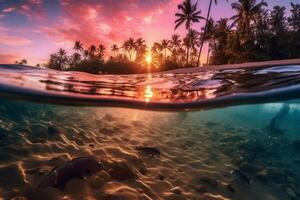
[[209, 36], [125, 48], [205, 29], [156, 48], [165, 45], [246, 12], [129, 46], [175, 43], [92, 50], [188, 14], [223, 28], [225, 43], [101, 50], [78, 46], [23, 62], [76, 57], [278, 20], [62, 52], [194, 39], [86, 53], [294, 19], [140, 43], [62, 58], [115, 49], [141, 49]]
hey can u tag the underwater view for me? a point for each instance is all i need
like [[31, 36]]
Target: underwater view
[[242, 152], [167, 144]]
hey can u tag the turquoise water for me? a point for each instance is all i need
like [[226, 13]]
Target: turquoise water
[[241, 141], [193, 145]]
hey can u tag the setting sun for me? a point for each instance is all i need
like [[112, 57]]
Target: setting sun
[[148, 58]]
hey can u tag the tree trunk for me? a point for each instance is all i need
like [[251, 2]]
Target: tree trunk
[[188, 46], [204, 35], [207, 59], [165, 55]]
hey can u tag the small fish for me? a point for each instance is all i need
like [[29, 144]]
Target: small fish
[[149, 150], [241, 176], [78, 167]]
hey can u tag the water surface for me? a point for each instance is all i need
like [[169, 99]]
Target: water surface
[[250, 125]]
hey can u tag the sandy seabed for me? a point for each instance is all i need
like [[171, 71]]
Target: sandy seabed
[[191, 164]]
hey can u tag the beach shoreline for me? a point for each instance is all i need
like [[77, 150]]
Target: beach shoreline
[[261, 64]]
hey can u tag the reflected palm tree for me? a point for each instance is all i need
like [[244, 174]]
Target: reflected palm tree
[[187, 14]]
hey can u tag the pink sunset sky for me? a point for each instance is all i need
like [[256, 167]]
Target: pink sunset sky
[[33, 29]]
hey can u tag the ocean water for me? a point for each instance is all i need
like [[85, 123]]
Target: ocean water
[[230, 134]]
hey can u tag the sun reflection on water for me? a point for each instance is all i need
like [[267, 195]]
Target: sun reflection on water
[[148, 93]]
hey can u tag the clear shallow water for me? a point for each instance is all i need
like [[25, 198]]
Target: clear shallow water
[[198, 150]]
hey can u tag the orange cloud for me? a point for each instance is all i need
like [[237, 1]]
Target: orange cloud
[[8, 58]]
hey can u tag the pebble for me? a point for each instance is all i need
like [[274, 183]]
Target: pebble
[[176, 190]]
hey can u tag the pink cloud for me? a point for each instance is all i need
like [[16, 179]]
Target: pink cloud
[[8, 58], [107, 22], [13, 40], [8, 10], [32, 9]]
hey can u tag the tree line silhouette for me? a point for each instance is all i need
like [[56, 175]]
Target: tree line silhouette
[[254, 33]]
